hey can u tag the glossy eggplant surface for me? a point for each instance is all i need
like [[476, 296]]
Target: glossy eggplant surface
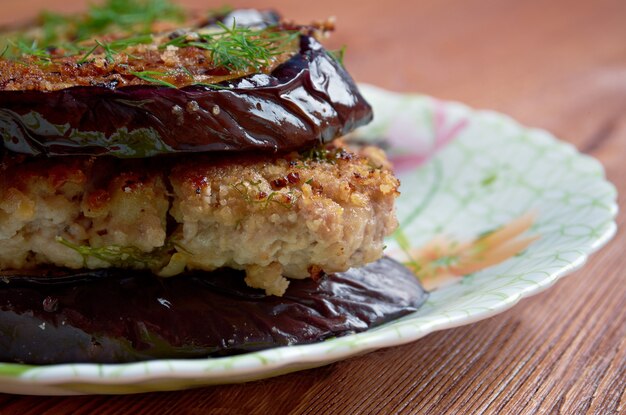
[[307, 100], [108, 316]]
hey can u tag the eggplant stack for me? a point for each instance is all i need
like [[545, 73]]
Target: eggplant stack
[[171, 143]]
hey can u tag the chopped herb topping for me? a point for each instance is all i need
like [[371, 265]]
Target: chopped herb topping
[[153, 77], [251, 193], [240, 48], [324, 154], [127, 39], [128, 17]]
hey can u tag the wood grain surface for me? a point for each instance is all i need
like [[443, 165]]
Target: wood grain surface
[[559, 65]]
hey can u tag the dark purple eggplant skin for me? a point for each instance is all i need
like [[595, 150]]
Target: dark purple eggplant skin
[[308, 100], [113, 316]]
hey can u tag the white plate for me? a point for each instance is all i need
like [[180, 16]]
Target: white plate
[[490, 170]]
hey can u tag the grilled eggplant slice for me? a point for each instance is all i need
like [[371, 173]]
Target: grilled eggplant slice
[[307, 100], [122, 316]]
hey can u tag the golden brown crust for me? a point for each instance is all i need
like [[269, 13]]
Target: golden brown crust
[[253, 184], [295, 216], [177, 66], [114, 60]]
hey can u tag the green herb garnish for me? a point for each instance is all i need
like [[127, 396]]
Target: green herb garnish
[[113, 48], [129, 17], [124, 256], [322, 154], [32, 49], [319, 153], [338, 54], [238, 48], [260, 197], [152, 77], [87, 55], [109, 30]]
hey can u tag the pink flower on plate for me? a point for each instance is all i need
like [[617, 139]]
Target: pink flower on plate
[[410, 147]]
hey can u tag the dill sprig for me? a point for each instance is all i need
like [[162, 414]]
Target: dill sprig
[[124, 256], [87, 54], [110, 49], [154, 77], [32, 49], [85, 38], [128, 17], [238, 48], [131, 19]]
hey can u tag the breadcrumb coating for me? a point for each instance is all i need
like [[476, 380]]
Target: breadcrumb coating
[[293, 216]]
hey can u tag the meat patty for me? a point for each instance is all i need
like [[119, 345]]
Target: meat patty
[[293, 216]]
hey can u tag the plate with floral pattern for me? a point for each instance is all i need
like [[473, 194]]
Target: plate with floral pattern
[[490, 212]]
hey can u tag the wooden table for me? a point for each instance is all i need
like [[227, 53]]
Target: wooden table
[[559, 65]]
